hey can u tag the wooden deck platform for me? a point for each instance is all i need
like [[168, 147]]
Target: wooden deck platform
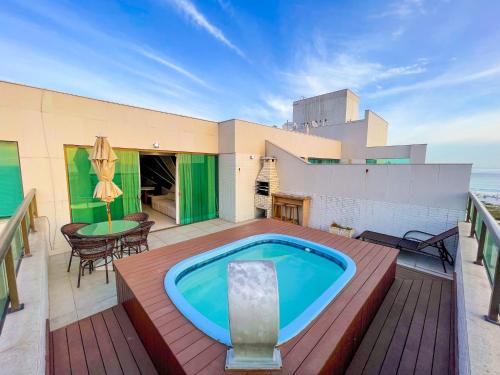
[[413, 331], [325, 346], [105, 343]]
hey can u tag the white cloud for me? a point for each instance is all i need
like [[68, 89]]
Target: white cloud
[[69, 20], [440, 81], [280, 106], [226, 6], [161, 60], [482, 127], [271, 109], [402, 8], [398, 32], [324, 74], [190, 10]]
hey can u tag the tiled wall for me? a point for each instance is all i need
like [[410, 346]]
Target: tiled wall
[[385, 217]]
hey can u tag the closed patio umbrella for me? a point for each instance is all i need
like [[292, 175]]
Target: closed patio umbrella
[[103, 160]]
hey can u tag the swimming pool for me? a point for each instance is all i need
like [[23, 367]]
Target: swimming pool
[[310, 275]]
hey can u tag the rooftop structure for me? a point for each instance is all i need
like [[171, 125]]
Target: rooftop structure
[[209, 184], [364, 140]]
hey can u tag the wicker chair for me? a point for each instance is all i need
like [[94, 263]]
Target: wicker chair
[[89, 250], [69, 231], [137, 239], [137, 216]]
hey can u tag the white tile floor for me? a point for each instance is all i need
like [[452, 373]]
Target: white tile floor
[[161, 221], [425, 264], [67, 303]]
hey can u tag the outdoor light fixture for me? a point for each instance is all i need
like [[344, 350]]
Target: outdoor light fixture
[[252, 157], [156, 144]]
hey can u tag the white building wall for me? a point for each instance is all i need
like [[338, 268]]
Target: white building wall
[[43, 121], [247, 170], [336, 107], [416, 153], [387, 198], [353, 137], [377, 129], [227, 191], [237, 174], [241, 144]]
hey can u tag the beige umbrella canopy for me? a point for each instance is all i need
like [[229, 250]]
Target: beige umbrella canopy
[[103, 160]]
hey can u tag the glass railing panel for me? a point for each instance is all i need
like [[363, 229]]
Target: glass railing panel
[[4, 291], [491, 251], [17, 246], [479, 222]]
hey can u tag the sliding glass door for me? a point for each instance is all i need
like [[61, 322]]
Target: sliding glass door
[[198, 187], [11, 187], [82, 181]]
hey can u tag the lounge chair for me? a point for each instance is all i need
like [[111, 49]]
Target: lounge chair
[[411, 242]]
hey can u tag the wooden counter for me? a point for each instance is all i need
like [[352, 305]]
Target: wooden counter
[[302, 201]]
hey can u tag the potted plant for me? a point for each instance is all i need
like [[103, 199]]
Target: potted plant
[[341, 230]]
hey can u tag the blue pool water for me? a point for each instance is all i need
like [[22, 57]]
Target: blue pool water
[[302, 278], [309, 277]]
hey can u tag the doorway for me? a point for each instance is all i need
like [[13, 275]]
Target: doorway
[[158, 188]]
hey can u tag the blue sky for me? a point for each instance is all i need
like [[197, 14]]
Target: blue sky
[[431, 68]]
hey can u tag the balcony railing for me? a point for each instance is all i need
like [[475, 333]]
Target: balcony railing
[[487, 232], [14, 245]]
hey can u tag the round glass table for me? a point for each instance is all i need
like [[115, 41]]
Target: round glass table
[[118, 228]]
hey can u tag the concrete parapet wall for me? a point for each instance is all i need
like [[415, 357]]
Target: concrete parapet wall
[[387, 198]]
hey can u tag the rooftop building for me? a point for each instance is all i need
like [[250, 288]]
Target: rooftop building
[[212, 185]]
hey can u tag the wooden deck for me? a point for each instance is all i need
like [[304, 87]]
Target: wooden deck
[[325, 346], [105, 343], [413, 331]]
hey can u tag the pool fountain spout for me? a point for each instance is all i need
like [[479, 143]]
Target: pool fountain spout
[[253, 301]]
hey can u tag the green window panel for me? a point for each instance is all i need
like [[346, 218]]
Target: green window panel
[[11, 188], [82, 180], [491, 251], [198, 187], [323, 161], [387, 161]]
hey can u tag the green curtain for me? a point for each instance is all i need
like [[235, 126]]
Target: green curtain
[[198, 187], [11, 188], [128, 163], [81, 183]]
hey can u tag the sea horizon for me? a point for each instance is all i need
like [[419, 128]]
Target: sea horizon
[[486, 182]]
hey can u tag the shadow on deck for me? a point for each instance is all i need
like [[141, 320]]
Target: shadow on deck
[[413, 330]]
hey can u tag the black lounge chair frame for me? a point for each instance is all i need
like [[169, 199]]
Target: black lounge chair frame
[[409, 242]]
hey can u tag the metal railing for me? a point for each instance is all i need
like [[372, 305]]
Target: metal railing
[[487, 231], [22, 219]]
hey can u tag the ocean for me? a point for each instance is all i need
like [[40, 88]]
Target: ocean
[[486, 182]]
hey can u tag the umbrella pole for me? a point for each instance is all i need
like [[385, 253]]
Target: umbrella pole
[[109, 216]]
